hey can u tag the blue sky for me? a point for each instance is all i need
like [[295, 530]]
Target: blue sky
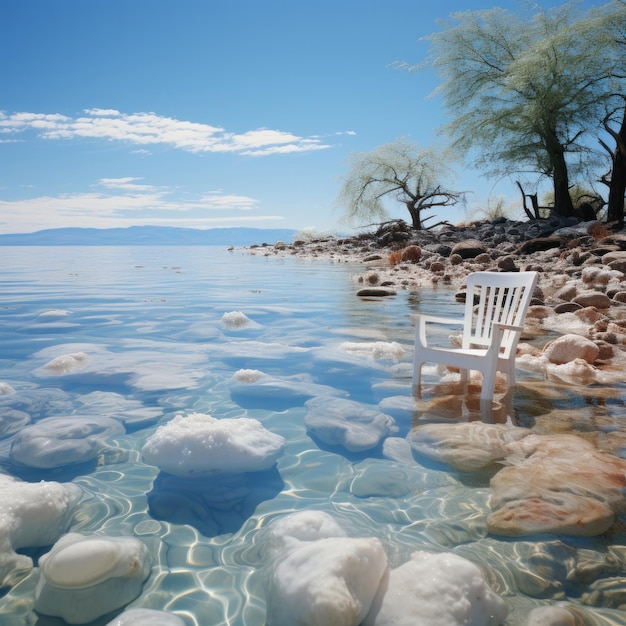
[[208, 113]]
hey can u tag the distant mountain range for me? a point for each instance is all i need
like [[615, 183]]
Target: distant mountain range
[[149, 236]]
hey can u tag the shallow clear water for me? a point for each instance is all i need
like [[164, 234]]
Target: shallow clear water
[[149, 320]]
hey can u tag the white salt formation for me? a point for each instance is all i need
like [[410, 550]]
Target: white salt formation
[[61, 441], [375, 349], [199, 444], [66, 363], [235, 320], [84, 577], [436, 590], [320, 577], [32, 515], [291, 531], [324, 582], [353, 425], [146, 617]]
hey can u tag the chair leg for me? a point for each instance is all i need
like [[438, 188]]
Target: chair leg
[[489, 383], [417, 379]]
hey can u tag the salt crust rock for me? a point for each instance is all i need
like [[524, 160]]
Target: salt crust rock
[[374, 349], [146, 617], [235, 320], [436, 590], [31, 515], [322, 578], [353, 425], [569, 347], [6, 389], [291, 531], [324, 582], [61, 441], [84, 577], [199, 444], [557, 483], [467, 446], [66, 363]]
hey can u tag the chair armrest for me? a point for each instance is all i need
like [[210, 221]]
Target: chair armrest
[[508, 327], [496, 337], [420, 326], [434, 319]]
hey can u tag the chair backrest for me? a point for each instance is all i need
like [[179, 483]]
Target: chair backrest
[[496, 297]]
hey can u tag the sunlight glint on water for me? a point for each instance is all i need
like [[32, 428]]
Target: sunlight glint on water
[[150, 322]]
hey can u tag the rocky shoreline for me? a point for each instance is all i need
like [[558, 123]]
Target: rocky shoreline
[[581, 265]]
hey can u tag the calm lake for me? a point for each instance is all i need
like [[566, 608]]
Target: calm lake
[[149, 322]]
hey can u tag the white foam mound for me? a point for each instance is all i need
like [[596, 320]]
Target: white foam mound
[[234, 320], [60, 441], [324, 582], [146, 617], [31, 515], [199, 444], [84, 577], [436, 590]]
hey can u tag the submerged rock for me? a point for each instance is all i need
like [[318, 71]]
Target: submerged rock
[[32, 515], [328, 581], [84, 577], [557, 484], [467, 446], [353, 425], [436, 590]]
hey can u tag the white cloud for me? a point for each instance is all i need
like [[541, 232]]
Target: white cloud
[[145, 129], [124, 183], [136, 204]]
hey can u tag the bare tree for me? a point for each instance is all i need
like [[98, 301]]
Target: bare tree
[[401, 171]]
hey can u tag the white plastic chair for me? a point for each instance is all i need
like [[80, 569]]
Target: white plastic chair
[[495, 309]]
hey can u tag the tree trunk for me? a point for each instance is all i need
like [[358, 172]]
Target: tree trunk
[[563, 205], [415, 215], [617, 189]]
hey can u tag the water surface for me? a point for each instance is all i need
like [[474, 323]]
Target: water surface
[[149, 320]]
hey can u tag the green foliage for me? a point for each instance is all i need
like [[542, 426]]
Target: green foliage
[[400, 171], [527, 90]]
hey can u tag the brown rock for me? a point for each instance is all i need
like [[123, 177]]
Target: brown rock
[[620, 296], [538, 244], [377, 292], [569, 347], [411, 254], [567, 307], [567, 293], [507, 264], [593, 298], [469, 249]]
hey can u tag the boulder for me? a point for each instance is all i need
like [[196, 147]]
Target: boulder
[[569, 347], [469, 248], [593, 298]]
